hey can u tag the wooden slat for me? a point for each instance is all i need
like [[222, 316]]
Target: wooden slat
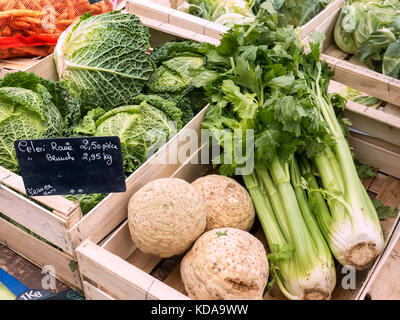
[[322, 16], [385, 283], [183, 24], [120, 243], [160, 291], [365, 80], [375, 153], [377, 182], [143, 261], [45, 68], [39, 252], [113, 273], [63, 206], [35, 218], [93, 293]]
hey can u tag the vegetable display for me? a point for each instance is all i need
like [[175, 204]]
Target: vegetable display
[[371, 30], [262, 80], [231, 12], [225, 263], [106, 93], [297, 168], [228, 203], [166, 216]]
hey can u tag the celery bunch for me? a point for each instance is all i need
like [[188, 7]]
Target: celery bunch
[[305, 187]]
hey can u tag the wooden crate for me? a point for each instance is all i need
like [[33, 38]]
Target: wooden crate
[[19, 64], [351, 72], [158, 14], [384, 284], [117, 269], [58, 221]]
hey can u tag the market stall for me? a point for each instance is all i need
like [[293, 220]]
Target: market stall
[[206, 149]]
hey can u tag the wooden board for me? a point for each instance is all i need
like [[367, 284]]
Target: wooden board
[[24, 271]]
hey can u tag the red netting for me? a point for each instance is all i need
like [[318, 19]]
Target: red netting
[[32, 27]]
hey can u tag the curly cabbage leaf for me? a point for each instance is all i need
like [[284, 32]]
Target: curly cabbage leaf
[[103, 59], [174, 74], [142, 129], [31, 108], [87, 201]]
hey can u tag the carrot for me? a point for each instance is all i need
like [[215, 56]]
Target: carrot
[[70, 8], [21, 13], [6, 32], [63, 16], [21, 5], [19, 24], [30, 20], [35, 4], [9, 5]]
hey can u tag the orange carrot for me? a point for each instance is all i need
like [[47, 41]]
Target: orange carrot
[[21, 13]]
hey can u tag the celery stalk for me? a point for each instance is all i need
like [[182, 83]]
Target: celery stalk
[[287, 220], [355, 237]]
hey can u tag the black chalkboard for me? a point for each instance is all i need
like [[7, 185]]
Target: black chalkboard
[[64, 166]]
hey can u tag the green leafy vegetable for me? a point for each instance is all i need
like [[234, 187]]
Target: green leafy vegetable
[[384, 211], [225, 12], [143, 128], [86, 201], [371, 29], [356, 96], [365, 171], [32, 108], [176, 64], [103, 59]]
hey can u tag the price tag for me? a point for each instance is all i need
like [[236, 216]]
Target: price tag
[[64, 166], [47, 295]]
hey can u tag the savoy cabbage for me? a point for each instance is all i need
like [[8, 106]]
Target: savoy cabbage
[[177, 62], [32, 108], [103, 59], [143, 128]]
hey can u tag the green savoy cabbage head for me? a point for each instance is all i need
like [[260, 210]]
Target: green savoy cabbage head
[[103, 59], [143, 128], [32, 108]]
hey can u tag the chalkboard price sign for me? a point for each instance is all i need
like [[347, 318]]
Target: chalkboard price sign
[[64, 166]]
